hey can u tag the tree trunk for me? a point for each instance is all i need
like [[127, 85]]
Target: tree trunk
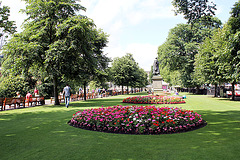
[[198, 89], [233, 90], [215, 94], [127, 90], [84, 88], [55, 85], [122, 90]]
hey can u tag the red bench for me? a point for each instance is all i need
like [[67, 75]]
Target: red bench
[[20, 102], [35, 101], [10, 102], [60, 99], [74, 97], [1, 103]]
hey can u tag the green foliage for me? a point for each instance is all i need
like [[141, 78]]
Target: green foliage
[[6, 26], [126, 72], [122, 70], [58, 45], [141, 79], [193, 10], [83, 44], [12, 84], [219, 57], [234, 20], [177, 54], [207, 62]]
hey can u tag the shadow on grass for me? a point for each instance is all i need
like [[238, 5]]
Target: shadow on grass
[[228, 99], [42, 133], [99, 102]]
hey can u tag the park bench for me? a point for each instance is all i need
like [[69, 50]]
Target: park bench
[[60, 99], [94, 95], [74, 97], [20, 102], [12, 102], [89, 96], [114, 93], [9, 102], [1, 103], [81, 96], [35, 101]]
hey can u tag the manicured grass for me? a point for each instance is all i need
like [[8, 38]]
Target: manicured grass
[[42, 133]]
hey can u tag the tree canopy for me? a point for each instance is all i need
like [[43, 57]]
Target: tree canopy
[[126, 72], [57, 43], [219, 56], [6, 26], [194, 10], [177, 54]]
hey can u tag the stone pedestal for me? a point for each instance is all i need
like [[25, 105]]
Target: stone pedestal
[[157, 85]]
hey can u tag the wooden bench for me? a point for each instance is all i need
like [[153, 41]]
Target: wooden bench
[[60, 99], [9, 102], [74, 97], [81, 96], [1, 103], [20, 102], [35, 101]]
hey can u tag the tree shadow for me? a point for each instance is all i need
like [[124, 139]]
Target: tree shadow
[[48, 128], [237, 99]]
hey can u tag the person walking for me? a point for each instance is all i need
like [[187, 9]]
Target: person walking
[[66, 93]]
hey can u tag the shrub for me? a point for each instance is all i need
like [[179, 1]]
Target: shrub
[[12, 84]]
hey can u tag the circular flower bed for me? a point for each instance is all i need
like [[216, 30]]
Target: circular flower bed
[[154, 100], [137, 120]]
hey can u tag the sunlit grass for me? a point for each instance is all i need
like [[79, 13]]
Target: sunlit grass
[[42, 133]]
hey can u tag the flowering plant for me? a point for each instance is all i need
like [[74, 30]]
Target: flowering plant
[[137, 119], [154, 100]]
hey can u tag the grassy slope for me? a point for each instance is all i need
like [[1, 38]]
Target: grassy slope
[[42, 133]]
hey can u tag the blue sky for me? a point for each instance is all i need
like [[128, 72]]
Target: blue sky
[[134, 26]]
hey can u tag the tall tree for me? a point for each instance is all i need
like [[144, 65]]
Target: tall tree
[[123, 70], [179, 50], [58, 42], [219, 57], [140, 77], [231, 54], [206, 66], [80, 39], [43, 19], [6, 26], [194, 10]]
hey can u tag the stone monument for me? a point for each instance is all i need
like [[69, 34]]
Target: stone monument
[[157, 79]]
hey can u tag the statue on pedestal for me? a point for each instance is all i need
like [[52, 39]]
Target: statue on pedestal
[[156, 67], [157, 79]]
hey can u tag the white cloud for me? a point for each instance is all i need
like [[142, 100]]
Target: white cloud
[[15, 6], [132, 12], [143, 53]]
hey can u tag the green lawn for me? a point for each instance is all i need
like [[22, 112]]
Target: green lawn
[[42, 133]]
